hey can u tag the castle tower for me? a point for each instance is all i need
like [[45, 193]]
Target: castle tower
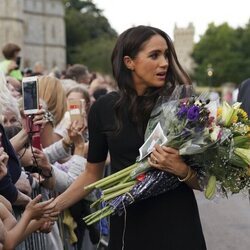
[[184, 42], [38, 26], [11, 22]]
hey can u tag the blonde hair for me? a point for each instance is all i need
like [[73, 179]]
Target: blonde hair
[[53, 94], [7, 101]]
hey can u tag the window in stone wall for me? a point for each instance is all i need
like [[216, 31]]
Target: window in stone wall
[[53, 32]]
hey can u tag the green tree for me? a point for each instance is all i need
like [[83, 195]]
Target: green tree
[[89, 36], [222, 48]]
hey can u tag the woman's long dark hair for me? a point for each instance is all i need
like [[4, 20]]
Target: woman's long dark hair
[[129, 43]]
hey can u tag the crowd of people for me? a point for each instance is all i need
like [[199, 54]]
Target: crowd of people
[[77, 152], [27, 170]]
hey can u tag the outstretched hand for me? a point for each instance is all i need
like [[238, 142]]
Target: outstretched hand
[[37, 210]]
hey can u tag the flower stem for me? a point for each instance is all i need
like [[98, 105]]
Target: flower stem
[[113, 195], [125, 170], [107, 213], [118, 187]]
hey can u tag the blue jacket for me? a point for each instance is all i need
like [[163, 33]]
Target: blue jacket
[[7, 184]]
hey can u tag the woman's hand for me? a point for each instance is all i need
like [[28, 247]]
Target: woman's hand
[[75, 131], [46, 226], [168, 159], [36, 209], [42, 161], [75, 136], [39, 118], [3, 163]]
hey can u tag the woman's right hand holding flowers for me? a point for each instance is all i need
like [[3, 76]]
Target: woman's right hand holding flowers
[[168, 159]]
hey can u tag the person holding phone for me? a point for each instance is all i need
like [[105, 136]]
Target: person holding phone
[[11, 65]]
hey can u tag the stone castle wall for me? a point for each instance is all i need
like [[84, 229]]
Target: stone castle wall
[[38, 26]]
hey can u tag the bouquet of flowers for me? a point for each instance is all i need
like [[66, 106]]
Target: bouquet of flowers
[[213, 143], [227, 165]]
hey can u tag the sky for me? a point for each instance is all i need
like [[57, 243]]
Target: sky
[[164, 14]]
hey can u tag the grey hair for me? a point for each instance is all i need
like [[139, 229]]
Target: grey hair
[[7, 101]]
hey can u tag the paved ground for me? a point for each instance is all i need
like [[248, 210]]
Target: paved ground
[[226, 222]]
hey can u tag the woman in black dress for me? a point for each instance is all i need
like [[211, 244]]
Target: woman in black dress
[[144, 61]]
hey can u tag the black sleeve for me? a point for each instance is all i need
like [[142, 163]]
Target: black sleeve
[[8, 189], [98, 146]]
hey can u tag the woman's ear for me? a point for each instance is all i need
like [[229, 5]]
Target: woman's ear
[[128, 62]]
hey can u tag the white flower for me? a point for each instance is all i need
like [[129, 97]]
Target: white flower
[[228, 112], [216, 133]]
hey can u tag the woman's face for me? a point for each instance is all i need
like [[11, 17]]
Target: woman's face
[[149, 67], [14, 92], [75, 96], [10, 119]]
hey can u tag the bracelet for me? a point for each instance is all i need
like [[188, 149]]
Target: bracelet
[[49, 117], [189, 175]]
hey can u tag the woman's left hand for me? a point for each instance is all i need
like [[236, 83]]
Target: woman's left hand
[[168, 159], [42, 161]]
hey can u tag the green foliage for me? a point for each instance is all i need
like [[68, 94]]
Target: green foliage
[[89, 36], [96, 54], [227, 50]]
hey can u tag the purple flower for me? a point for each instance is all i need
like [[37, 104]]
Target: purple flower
[[193, 113], [183, 111]]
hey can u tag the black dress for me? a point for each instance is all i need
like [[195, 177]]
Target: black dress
[[169, 221]]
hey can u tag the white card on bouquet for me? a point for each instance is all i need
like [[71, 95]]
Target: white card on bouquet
[[156, 137]]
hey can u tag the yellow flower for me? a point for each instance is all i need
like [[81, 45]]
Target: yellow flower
[[242, 114], [219, 111], [234, 118]]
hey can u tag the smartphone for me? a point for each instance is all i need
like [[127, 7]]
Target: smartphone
[[76, 108], [30, 95]]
